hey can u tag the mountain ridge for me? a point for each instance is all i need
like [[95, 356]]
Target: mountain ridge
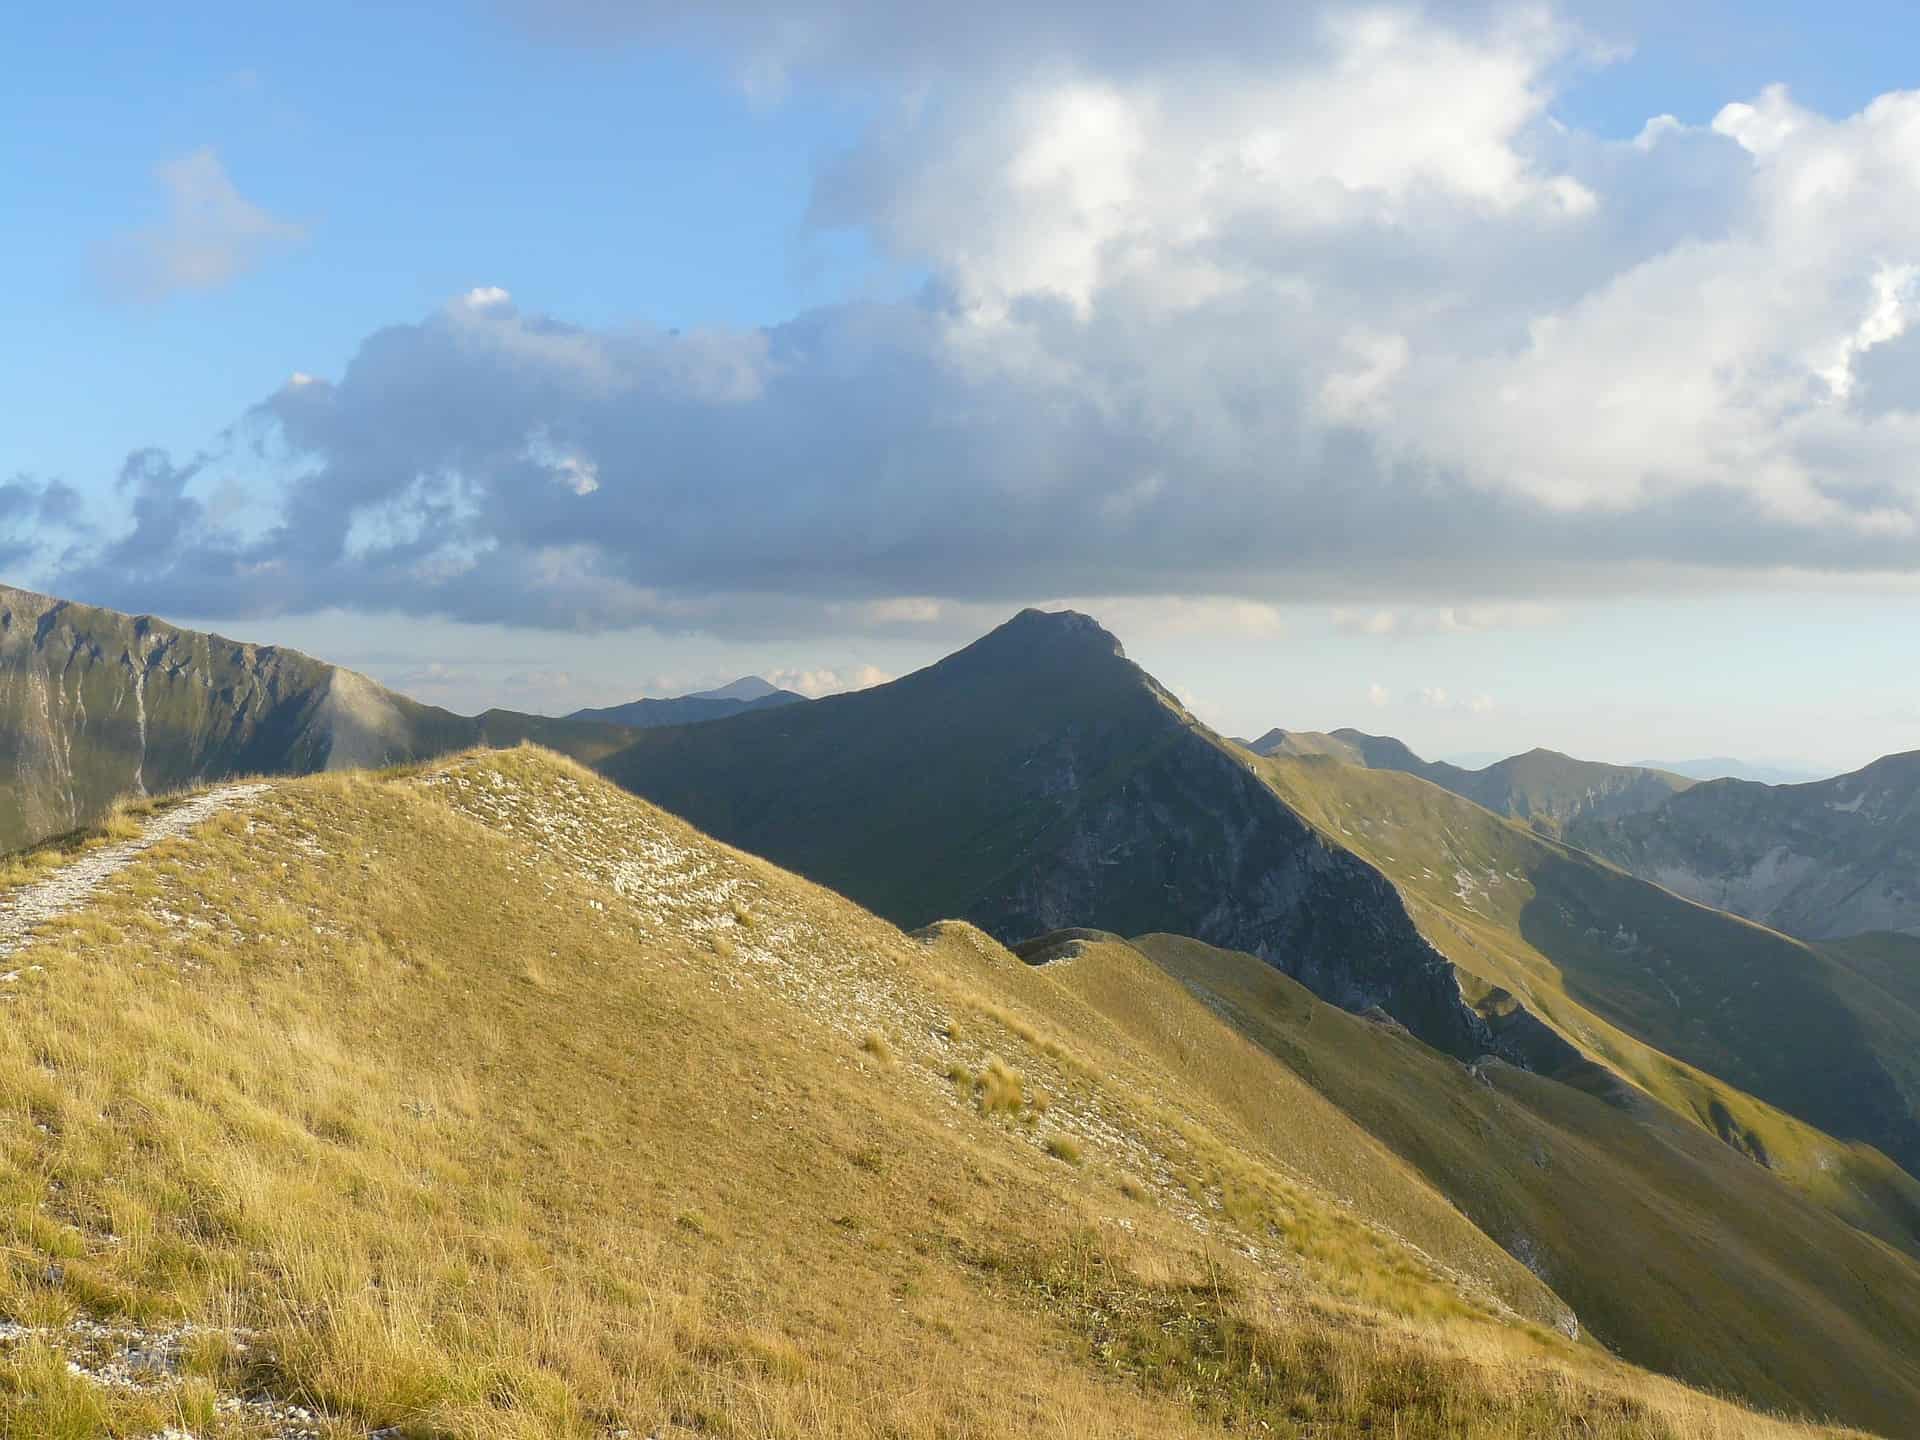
[[96, 704], [1823, 859], [642, 1074], [1546, 788], [694, 709]]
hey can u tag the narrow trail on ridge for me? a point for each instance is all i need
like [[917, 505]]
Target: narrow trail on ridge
[[30, 906]]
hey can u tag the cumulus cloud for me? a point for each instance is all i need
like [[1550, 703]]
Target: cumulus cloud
[[1378, 695], [1224, 303], [210, 234], [827, 680]]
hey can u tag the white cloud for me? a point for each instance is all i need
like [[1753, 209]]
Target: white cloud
[[209, 235], [1764, 126], [434, 675], [814, 683], [1433, 697], [486, 297], [1359, 394], [1886, 319], [1378, 695], [1656, 127], [1445, 619], [539, 682], [893, 610]]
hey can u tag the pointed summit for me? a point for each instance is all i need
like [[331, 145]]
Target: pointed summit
[[1033, 638], [747, 687]]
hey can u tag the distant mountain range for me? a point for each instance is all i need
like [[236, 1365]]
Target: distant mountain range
[[1831, 858], [1542, 787], [1725, 767], [1821, 859], [742, 696]]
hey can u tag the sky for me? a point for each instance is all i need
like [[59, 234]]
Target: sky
[[1492, 375]]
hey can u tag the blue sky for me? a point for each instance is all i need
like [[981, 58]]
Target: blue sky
[[831, 339]]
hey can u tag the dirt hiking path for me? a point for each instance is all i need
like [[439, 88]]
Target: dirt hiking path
[[68, 888]]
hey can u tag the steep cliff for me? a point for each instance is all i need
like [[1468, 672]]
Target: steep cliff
[[95, 704]]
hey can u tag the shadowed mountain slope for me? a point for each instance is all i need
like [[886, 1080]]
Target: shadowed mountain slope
[[95, 704], [1835, 857], [489, 1100], [1673, 1249], [1543, 787], [1038, 779]]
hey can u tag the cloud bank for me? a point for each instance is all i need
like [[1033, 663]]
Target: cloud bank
[[1259, 307]]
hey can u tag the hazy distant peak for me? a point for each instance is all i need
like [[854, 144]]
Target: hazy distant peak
[[747, 687], [1728, 767]]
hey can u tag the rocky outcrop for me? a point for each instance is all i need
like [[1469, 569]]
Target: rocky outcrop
[[1189, 842]]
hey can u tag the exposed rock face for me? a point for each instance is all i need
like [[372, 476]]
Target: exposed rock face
[[1835, 857], [94, 704], [1188, 842]]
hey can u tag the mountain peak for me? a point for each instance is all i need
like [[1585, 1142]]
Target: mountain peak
[[747, 687], [1038, 631]]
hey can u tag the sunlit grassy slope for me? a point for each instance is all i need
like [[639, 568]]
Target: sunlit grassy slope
[[1700, 1009], [486, 1100]]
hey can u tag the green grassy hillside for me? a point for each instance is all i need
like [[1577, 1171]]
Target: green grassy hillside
[[1831, 858], [1673, 1248], [485, 1100], [1674, 996]]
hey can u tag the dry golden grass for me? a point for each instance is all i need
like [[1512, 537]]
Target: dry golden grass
[[438, 1089]]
